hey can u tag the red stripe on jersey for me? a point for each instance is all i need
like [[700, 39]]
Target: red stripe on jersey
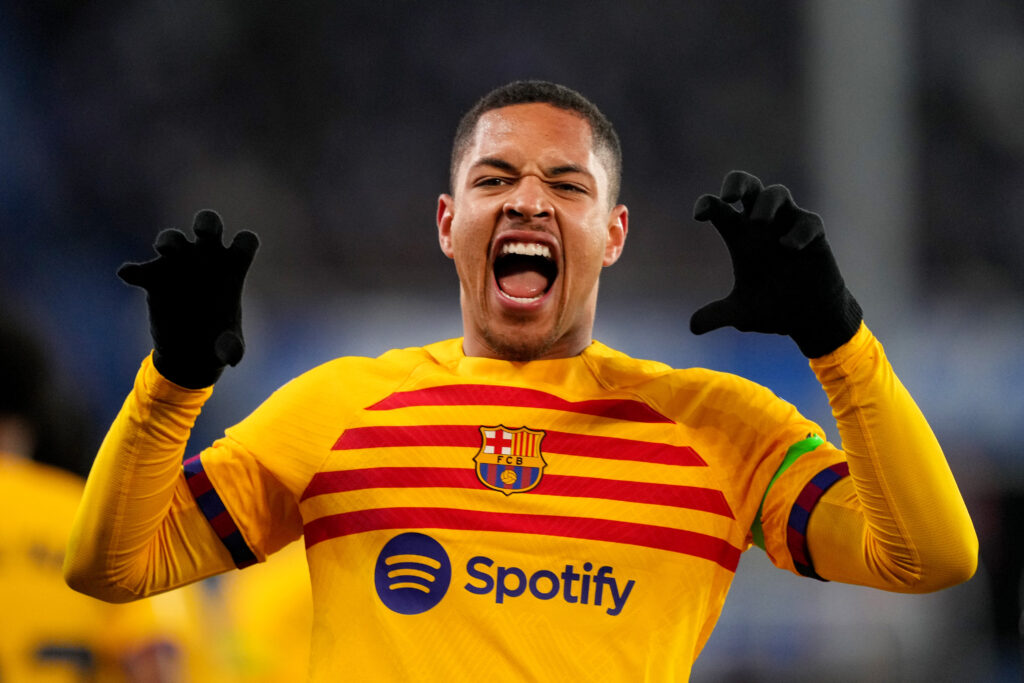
[[389, 477], [465, 436], [614, 448], [490, 395], [797, 543], [680, 541], [223, 524], [687, 497], [809, 496], [199, 483]]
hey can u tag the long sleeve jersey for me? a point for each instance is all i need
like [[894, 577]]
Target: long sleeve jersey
[[570, 519]]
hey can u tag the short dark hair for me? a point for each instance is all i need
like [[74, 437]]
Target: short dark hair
[[606, 141]]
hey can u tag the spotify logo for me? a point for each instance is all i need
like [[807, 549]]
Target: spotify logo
[[412, 573]]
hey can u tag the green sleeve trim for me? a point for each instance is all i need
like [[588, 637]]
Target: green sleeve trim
[[792, 455]]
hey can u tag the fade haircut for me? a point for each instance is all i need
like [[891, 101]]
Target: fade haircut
[[605, 140]]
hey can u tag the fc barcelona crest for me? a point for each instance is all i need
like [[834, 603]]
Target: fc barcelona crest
[[510, 460]]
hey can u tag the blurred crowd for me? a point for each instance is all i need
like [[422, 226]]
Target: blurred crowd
[[325, 127]]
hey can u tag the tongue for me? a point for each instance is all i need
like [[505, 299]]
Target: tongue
[[524, 284]]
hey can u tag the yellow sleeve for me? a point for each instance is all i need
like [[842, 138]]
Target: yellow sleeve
[[898, 521], [138, 530]]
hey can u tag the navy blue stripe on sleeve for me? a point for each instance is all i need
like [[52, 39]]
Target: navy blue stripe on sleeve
[[216, 514]]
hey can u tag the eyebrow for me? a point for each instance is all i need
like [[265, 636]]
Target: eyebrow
[[501, 164], [568, 168], [495, 162]]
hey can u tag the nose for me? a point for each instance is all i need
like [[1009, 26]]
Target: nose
[[529, 200]]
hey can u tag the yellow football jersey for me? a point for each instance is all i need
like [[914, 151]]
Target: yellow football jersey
[[571, 519], [48, 632]]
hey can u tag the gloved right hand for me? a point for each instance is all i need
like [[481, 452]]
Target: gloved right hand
[[194, 294]]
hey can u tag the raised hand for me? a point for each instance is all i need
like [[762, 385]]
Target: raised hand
[[194, 294], [786, 280]]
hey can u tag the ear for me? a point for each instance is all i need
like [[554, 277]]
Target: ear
[[618, 227], [445, 206]]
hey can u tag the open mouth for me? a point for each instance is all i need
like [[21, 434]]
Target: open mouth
[[524, 271]]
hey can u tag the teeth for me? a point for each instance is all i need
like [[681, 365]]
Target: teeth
[[522, 299], [526, 249]]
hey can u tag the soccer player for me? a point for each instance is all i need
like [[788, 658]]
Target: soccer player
[[49, 633], [525, 503]]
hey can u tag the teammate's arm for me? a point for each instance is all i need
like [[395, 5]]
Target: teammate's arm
[[138, 529], [898, 522]]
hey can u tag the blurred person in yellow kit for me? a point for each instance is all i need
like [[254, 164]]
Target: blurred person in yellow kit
[[525, 503], [249, 628], [47, 631], [258, 622]]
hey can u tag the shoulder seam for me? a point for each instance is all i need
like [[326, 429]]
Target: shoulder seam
[[600, 379], [394, 387]]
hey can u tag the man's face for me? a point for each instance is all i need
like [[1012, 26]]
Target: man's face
[[530, 226]]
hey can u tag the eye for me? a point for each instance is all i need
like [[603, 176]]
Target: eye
[[491, 181], [569, 187]]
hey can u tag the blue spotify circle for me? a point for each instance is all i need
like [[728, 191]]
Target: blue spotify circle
[[412, 573]]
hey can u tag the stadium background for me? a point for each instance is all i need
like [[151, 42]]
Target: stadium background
[[325, 127]]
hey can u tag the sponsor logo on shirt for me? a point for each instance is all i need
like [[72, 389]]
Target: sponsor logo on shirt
[[413, 574], [586, 587], [510, 460]]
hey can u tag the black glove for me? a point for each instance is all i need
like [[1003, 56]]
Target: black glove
[[786, 279], [194, 293]]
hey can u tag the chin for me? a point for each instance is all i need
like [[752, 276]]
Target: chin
[[518, 347]]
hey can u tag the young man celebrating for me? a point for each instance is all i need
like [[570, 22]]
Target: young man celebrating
[[525, 503]]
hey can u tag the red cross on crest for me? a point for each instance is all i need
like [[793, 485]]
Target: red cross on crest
[[510, 460]]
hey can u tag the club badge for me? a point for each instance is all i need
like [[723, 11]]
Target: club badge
[[510, 460]]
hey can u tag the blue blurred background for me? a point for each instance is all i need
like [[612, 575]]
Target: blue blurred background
[[325, 127]]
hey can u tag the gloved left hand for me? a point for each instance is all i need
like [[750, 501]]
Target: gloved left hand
[[786, 278]]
